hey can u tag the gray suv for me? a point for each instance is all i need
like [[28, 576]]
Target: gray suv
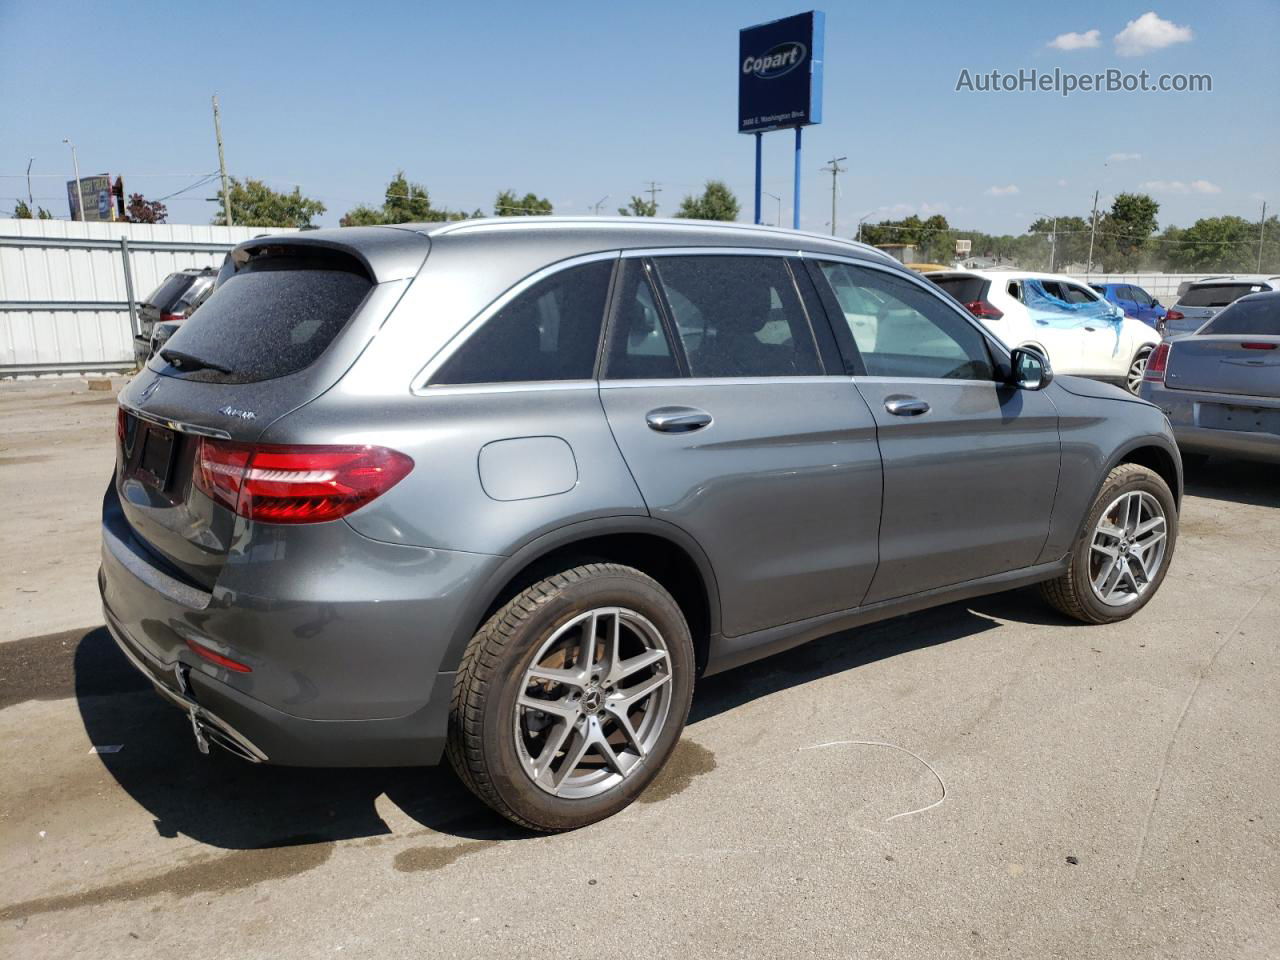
[[504, 489]]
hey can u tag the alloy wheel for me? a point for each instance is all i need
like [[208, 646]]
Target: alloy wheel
[[1128, 548], [1137, 370], [593, 702]]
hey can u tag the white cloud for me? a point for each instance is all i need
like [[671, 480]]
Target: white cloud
[[1006, 191], [1062, 183], [1076, 41], [1178, 186], [1149, 32], [1122, 157]]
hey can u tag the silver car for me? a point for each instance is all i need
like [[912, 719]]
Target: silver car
[[504, 489], [1200, 300], [1220, 387]]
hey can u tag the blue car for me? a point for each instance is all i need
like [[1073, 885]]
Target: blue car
[[1133, 300]]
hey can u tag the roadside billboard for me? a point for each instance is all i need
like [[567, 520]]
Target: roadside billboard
[[780, 73], [96, 194]]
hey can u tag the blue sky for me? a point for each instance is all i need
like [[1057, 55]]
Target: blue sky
[[576, 101]]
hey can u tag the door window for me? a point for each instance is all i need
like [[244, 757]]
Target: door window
[[1073, 294], [549, 332], [639, 347], [1140, 296], [903, 330], [738, 316]]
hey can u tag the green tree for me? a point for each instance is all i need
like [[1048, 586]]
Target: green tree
[[716, 203], [43, 214], [1070, 237], [1225, 244], [1124, 231], [639, 207], [508, 204], [403, 202], [21, 211], [254, 204], [933, 238]]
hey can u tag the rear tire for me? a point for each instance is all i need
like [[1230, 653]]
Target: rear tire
[[1123, 552], [556, 731], [1137, 369]]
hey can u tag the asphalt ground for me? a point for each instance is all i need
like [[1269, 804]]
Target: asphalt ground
[[981, 780]]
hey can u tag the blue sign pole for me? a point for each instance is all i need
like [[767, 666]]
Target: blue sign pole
[[795, 205], [780, 84], [759, 167]]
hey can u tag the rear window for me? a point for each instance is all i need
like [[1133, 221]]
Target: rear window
[[1216, 294], [1252, 318], [273, 317], [167, 294], [964, 289]]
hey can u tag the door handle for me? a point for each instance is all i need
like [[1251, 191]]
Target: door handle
[[1092, 329], [906, 406], [677, 419]]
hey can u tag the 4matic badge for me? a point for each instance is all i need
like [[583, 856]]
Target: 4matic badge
[[236, 412]]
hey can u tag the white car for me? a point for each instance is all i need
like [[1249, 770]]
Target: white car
[[1079, 330]]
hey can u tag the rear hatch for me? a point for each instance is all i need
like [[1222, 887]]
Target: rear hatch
[[1202, 302], [276, 334]]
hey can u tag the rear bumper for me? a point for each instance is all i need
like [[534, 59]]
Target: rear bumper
[[1183, 408], [259, 733], [346, 639]]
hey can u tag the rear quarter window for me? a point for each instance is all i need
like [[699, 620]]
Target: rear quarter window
[[273, 317]]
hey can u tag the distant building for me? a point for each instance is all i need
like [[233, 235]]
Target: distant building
[[902, 252]]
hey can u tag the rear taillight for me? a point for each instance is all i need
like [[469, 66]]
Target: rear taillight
[[1258, 346], [1173, 315], [1157, 363], [171, 317], [296, 484], [120, 415], [983, 310]]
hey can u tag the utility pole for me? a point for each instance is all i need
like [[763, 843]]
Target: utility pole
[[80, 193], [1262, 232], [31, 203], [1053, 245], [222, 163], [598, 204], [1093, 229], [653, 192], [834, 168]]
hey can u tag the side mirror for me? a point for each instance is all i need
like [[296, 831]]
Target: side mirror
[[1155, 302], [1031, 369]]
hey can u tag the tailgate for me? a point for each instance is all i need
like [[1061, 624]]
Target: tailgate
[[1246, 365]]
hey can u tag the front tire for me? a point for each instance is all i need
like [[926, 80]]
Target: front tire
[[1123, 553], [572, 696]]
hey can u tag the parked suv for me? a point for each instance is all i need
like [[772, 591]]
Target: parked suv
[[169, 303], [505, 488], [1080, 331], [1133, 300], [1200, 300]]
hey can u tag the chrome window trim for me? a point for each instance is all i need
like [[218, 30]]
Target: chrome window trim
[[420, 384], [937, 294], [728, 381], [504, 386]]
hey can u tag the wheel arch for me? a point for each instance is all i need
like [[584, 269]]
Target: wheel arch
[[1154, 454], [655, 547]]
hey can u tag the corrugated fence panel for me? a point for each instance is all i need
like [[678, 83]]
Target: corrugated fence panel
[[51, 277]]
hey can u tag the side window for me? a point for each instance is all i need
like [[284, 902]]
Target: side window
[[639, 348], [549, 332], [1140, 296], [903, 330], [1074, 294], [738, 316], [1015, 290]]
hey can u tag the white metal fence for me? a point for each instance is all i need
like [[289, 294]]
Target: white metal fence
[[66, 286], [1162, 286]]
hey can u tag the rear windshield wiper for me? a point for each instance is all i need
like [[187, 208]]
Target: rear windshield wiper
[[189, 361]]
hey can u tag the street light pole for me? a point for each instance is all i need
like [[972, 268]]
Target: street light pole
[[75, 163], [777, 220]]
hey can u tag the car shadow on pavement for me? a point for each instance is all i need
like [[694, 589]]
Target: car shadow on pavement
[[1240, 481], [228, 803], [225, 802]]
